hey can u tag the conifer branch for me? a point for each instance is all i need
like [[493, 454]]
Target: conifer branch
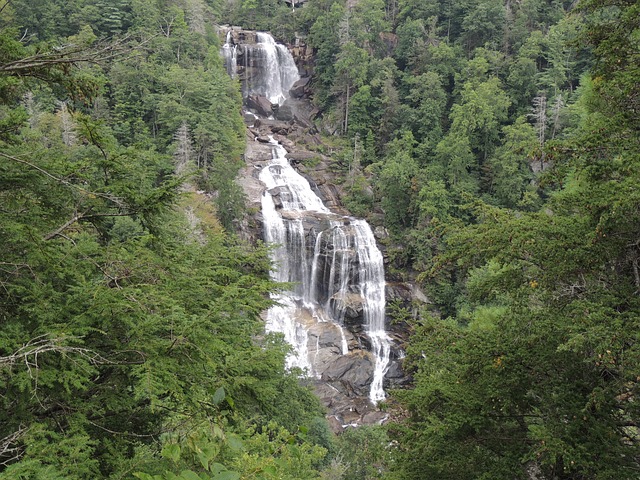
[[107, 196], [66, 56]]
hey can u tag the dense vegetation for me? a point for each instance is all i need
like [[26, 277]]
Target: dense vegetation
[[130, 337], [497, 141]]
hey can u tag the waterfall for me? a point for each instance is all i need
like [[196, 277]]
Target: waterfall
[[268, 68], [371, 284], [331, 261], [278, 71]]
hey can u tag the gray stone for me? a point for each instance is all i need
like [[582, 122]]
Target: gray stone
[[298, 89], [284, 113], [335, 424], [260, 104], [351, 304], [299, 156], [374, 418], [380, 233], [354, 372]]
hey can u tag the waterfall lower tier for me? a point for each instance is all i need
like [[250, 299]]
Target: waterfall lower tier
[[335, 267]]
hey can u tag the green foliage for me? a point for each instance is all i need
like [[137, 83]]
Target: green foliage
[[536, 370], [130, 338], [366, 451]]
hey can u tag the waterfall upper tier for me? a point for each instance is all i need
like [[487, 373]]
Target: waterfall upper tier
[[265, 68]]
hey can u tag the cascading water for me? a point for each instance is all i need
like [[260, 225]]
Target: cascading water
[[342, 266], [230, 55], [269, 68], [332, 261]]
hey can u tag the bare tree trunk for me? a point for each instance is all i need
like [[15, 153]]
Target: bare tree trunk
[[346, 111]]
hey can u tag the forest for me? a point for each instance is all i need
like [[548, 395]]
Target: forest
[[497, 141]]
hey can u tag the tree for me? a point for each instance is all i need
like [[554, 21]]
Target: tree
[[351, 73], [479, 114], [510, 166]]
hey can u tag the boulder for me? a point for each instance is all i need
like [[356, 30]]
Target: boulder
[[284, 113], [350, 303], [374, 418], [284, 141], [353, 373], [260, 104], [380, 233], [298, 89], [276, 193], [299, 156], [335, 424], [249, 118]]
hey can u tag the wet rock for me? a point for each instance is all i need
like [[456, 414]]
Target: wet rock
[[260, 104], [354, 373], [374, 418], [262, 139], [284, 113], [299, 89], [396, 377], [284, 141], [350, 303], [278, 193], [249, 118]]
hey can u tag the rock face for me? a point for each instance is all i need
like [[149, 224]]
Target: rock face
[[299, 88]]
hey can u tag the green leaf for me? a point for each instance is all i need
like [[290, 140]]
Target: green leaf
[[171, 451], [218, 397], [217, 468], [206, 454], [235, 443], [217, 431], [189, 475]]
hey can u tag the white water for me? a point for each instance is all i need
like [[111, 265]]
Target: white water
[[230, 54], [324, 283], [279, 69], [372, 286], [269, 68]]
